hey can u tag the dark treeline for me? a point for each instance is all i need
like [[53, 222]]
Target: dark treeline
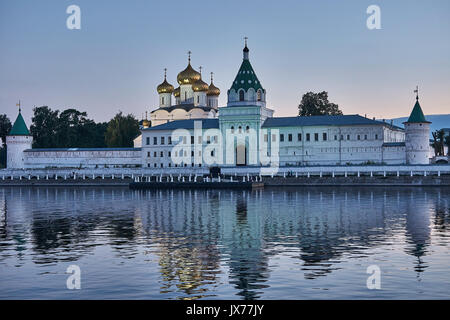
[[73, 129]]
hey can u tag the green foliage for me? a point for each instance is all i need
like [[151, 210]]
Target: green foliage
[[438, 143], [5, 127], [121, 131], [447, 143], [68, 129], [317, 104]]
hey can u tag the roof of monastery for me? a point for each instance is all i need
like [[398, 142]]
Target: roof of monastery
[[19, 128], [246, 77], [338, 120], [186, 124], [81, 149], [184, 106]]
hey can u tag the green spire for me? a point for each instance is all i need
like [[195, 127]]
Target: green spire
[[246, 77], [19, 128], [417, 114]]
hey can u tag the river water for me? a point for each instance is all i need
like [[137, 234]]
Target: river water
[[293, 243]]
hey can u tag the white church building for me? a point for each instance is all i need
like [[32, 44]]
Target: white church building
[[189, 129]]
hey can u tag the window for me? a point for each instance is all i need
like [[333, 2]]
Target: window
[[208, 140], [198, 99], [170, 140], [185, 96], [265, 138], [212, 153], [241, 95], [192, 153], [155, 140], [299, 137], [161, 165], [162, 140], [148, 140], [324, 136], [335, 137], [376, 137], [365, 137], [258, 95], [316, 137], [281, 137], [169, 154], [162, 154], [308, 137], [342, 137], [348, 137], [162, 100], [247, 129], [232, 129], [290, 137], [359, 137], [240, 129], [148, 154], [155, 154], [192, 140]]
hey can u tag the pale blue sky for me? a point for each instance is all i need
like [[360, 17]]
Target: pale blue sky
[[117, 59]]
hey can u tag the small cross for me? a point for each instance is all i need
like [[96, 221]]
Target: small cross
[[165, 73], [18, 105], [200, 68], [189, 56], [417, 92], [245, 39], [212, 73]]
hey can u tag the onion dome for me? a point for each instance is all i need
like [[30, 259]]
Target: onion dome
[[200, 85], [165, 87], [146, 123], [188, 75], [212, 89], [176, 92]]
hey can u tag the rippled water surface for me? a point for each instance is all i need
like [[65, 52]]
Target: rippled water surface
[[304, 243]]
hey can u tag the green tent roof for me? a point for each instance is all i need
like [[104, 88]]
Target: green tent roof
[[417, 114], [19, 128], [246, 77]]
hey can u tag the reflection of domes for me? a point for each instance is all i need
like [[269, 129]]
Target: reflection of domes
[[188, 76], [213, 90], [165, 87], [200, 86], [176, 92]]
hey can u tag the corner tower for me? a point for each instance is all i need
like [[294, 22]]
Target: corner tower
[[18, 140], [417, 136], [246, 88]]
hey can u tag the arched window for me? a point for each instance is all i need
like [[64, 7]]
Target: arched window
[[240, 129], [241, 95], [232, 129], [185, 96], [162, 100], [259, 95], [198, 99], [247, 129]]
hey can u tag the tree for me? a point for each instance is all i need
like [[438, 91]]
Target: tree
[[5, 128], [317, 104], [121, 131], [44, 127], [438, 143]]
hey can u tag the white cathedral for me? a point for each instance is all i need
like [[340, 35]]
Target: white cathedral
[[189, 129]]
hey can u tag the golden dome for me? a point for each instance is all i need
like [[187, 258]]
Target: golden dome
[[200, 86], [165, 87], [146, 123], [176, 92], [212, 89], [188, 76]]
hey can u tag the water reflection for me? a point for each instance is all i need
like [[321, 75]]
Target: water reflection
[[207, 240]]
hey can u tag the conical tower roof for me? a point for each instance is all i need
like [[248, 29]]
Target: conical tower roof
[[19, 128], [417, 115], [246, 77]]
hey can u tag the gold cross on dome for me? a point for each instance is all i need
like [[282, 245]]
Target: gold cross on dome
[[245, 39], [417, 92], [189, 56]]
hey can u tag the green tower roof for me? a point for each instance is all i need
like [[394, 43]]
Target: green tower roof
[[417, 114], [246, 77], [19, 128]]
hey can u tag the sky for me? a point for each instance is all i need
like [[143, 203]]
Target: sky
[[116, 60]]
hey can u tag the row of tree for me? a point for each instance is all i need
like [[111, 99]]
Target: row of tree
[[72, 128]]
